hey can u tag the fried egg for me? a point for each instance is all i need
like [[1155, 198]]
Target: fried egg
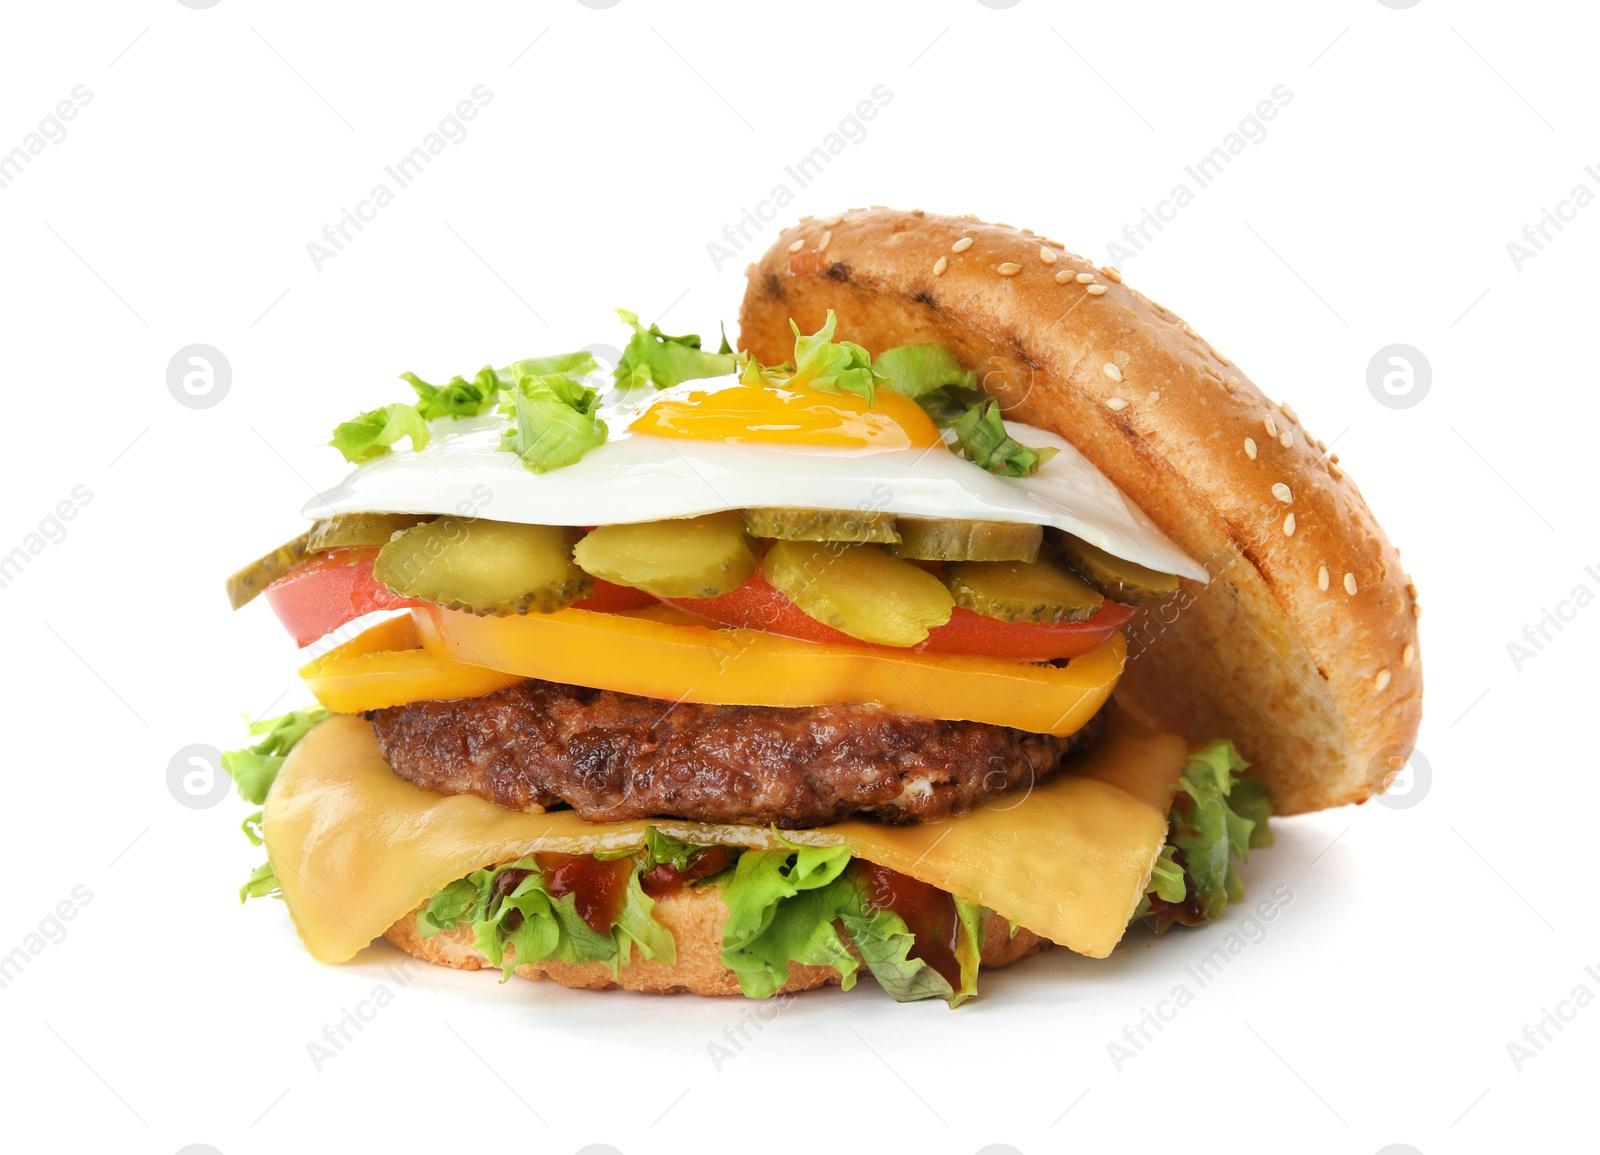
[[711, 445]]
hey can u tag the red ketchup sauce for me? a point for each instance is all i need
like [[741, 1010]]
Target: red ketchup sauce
[[599, 889], [929, 914], [664, 878]]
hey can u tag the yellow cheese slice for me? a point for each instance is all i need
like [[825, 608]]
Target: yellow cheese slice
[[355, 847]]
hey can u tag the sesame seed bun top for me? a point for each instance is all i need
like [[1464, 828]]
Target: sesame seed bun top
[[1303, 647]]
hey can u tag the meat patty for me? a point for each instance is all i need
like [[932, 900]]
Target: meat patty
[[614, 757]]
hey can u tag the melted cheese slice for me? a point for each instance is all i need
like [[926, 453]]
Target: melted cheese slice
[[355, 847]]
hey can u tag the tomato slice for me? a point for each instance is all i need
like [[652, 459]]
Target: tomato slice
[[337, 587], [756, 605]]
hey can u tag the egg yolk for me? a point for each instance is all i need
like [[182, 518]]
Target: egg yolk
[[790, 415]]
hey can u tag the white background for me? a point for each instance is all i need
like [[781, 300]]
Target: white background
[[618, 143]]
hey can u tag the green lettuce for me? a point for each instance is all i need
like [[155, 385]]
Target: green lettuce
[[982, 439], [916, 371], [459, 397], [1218, 814], [652, 358], [820, 362], [536, 926], [553, 421], [254, 769], [371, 433], [781, 908]]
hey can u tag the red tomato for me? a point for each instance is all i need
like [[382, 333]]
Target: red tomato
[[337, 587], [757, 606]]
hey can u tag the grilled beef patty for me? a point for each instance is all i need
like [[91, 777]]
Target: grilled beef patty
[[614, 757]]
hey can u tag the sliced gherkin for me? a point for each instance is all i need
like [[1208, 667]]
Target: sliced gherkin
[[484, 567], [928, 539], [357, 530], [859, 590], [821, 525], [1124, 581], [1042, 592], [259, 574], [686, 557]]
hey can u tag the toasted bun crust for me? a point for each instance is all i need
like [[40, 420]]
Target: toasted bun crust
[[1303, 648], [695, 916]]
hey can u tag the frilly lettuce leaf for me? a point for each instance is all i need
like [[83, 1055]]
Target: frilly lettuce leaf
[[254, 769], [371, 433], [652, 358], [1218, 814], [915, 371], [982, 438], [781, 908], [820, 362], [553, 421]]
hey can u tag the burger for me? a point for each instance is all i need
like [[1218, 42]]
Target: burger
[[974, 605]]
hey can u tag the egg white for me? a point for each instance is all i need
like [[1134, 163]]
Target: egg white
[[642, 477]]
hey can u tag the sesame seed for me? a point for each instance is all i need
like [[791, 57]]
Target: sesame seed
[[1416, 609], [1095, 290], [1047, 254], [1111, 273], [1215, 376], [1288, 411], [750, 269], [1408, 655], [1321, 444], [1350, 583], [1250, 448], [1110, 370], [1063, 276], [823, 242], [940, 266], [796, 246], [1288, 526], [1009, 269], [1085, 278], [1335, 472], [1233, 383], [962, 245], [1272, 426], [1381, 682], [1322, 578], [829, 222], [1286, 439], [1116, 404], [1219, 356], [1283, 493]]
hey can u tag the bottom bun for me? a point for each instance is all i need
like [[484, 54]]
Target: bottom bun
[[694, 916]]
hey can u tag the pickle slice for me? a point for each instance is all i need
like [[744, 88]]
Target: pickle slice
[[355, 530], [859, 590], [686, 557], [484, 567], [1124, 581], [1041, 592], [936, 540], [259, 574], [821, 525]]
